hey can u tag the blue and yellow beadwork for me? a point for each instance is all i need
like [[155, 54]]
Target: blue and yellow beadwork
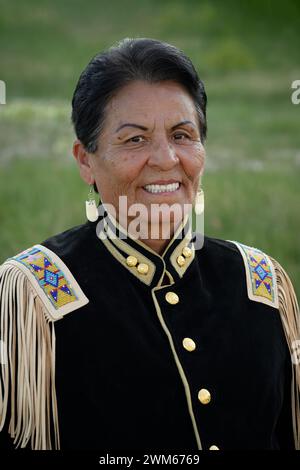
[[49, 276], [260, 274]]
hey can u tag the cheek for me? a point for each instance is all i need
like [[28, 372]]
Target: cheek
[[193, 162], [122, 171]]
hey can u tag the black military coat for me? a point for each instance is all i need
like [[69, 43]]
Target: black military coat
[[168, 352]]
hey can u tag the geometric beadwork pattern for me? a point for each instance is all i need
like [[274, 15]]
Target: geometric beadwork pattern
[[261, 275], [48, 275]]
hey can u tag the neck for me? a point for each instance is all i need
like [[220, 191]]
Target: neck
[[160, 236], [156, 245]]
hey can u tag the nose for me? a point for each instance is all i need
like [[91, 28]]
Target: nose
[[162, 155]]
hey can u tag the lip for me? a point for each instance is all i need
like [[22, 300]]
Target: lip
[[163, 193], [163, 182]]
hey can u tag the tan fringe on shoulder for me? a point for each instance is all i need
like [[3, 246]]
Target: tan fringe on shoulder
[[290, 317], [27, 356]]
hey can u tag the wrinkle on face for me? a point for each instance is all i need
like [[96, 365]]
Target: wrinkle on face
[[122, 167]]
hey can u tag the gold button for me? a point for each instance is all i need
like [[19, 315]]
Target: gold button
[[172, 298], [214, 448], [131, 261], [187, 252], [180, 260], [204, 396], [143, 268], [189, 344]]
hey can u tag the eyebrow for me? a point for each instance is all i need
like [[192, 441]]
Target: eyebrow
[[130, 124], [182, 123], [143, 128]]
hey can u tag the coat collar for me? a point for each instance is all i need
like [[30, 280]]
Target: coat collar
[[140, 260]]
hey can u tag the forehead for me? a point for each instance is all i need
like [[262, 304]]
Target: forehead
[[150, 101]]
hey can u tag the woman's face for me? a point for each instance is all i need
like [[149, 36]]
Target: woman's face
[[150, 149]]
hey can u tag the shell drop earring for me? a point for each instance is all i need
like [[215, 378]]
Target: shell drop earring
[[91, 206], [199, 202]]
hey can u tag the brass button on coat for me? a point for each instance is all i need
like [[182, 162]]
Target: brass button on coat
[[187, 252], [131, 261], [143, 268], [214, 447], [172, 298], [204, 396], [189, 344], [180, 260]]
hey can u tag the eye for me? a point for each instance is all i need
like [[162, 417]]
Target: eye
[[180, 136], [135, 139]]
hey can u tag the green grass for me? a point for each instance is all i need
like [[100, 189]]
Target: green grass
[[43, 52], [246, 52]]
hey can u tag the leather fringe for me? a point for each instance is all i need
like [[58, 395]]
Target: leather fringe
[[27, 357], [290, 317]]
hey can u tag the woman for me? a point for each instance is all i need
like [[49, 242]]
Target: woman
[[116, 336]]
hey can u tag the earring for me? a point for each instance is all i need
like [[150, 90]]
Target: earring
[[199, 202], [91, 206], [197, 221]]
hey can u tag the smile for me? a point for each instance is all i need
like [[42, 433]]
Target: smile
[[162, 188]]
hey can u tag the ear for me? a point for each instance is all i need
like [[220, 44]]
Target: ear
[[84, 162]]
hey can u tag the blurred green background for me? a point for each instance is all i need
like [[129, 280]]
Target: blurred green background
[[247, 53]]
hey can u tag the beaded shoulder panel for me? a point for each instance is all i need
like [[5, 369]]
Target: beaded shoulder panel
[[51, 279], [260, 275]]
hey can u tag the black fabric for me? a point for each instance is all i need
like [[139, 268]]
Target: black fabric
[[117, 383]]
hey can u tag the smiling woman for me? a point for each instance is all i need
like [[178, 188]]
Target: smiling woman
[[146, 341], [156, 158]]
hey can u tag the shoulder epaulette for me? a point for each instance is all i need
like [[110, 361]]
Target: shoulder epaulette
[[260, 275], [51, 279]]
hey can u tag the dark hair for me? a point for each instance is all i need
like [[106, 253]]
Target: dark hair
[[131, 59]]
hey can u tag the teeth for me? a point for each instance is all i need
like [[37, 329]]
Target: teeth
[[161, 188]]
